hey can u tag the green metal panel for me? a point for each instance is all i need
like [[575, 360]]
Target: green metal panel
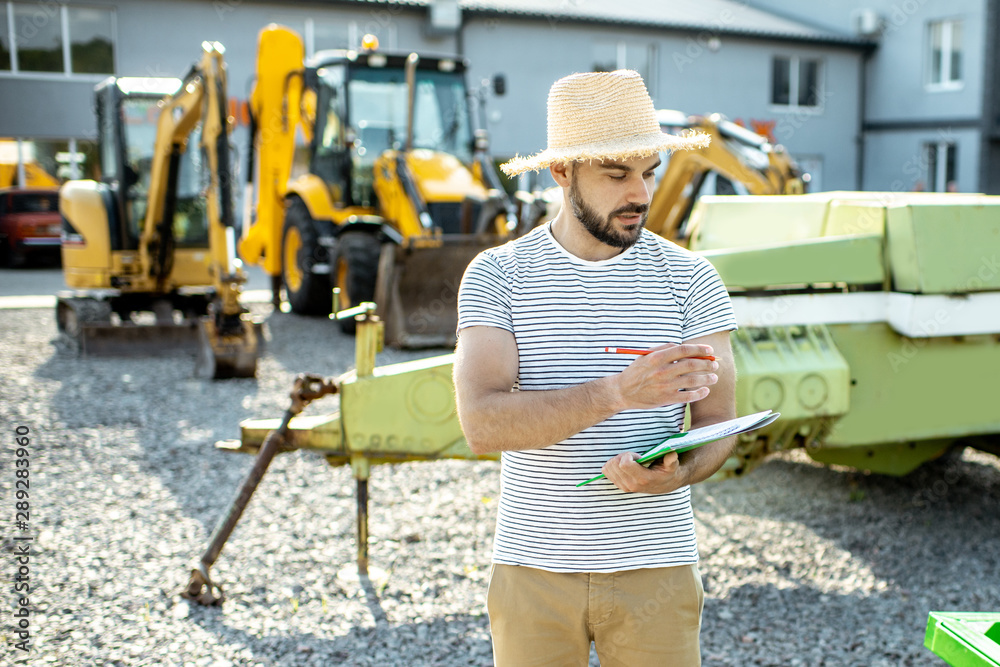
[[404, 409], [898, 459], [855, 260], [847, 217], [906, 389], [796, 371], [752, 220], [945, 249], [964, 639]]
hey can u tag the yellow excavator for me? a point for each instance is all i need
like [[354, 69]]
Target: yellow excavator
[[738, 159], [154, 239], [398, 196]]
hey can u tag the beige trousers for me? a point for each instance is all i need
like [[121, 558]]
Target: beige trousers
[[635, 618]]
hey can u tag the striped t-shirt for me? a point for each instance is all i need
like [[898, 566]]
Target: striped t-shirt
[[563, 312]]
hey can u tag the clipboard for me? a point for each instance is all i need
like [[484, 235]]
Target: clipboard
[[688, 440]]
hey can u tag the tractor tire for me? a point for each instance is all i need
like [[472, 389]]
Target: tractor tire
[[355, 270], [308, 293]]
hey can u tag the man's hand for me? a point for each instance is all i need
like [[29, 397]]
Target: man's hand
[[664, 476], [667, 375]]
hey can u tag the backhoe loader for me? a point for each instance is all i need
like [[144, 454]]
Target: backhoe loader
[[399, 195], [156, 233]]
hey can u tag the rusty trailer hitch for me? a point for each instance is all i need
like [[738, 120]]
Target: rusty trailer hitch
[[200, 588], [422, 425]]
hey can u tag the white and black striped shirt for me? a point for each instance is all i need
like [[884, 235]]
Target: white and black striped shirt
[[563, 312]]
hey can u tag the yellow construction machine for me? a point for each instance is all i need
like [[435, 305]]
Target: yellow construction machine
[[156, 234], [35, 175], [738, 159], [399, 194]]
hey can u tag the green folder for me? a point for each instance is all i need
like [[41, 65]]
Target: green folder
[[688, 440]]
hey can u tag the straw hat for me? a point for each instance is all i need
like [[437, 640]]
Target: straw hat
[[602, 116]]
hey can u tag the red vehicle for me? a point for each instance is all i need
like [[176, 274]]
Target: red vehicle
[[30, 224]]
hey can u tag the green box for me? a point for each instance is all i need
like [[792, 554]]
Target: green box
[[937, 248], [964, 639]]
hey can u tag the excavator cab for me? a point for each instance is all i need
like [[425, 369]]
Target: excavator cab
[[103, 231], [364, 115], [127, 112]]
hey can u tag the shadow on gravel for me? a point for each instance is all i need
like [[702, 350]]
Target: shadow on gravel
[[158, 415], [801, 627], [436, 641], [943, 515], [156, 403], [330, 352], [300, 344]]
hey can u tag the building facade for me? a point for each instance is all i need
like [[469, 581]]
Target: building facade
[[931, 89], [858, 106]]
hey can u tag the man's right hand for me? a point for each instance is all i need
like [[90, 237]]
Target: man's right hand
[[667, 375]]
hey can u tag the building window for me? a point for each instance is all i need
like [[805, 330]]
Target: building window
[[609, 56], [945, 69], [323, 36], [56, 39], [4, 40], [332, 35], [795, 82], [941, 159], [38, 39], [91, 41]]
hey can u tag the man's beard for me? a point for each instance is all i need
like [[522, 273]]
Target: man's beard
[[604, 230]]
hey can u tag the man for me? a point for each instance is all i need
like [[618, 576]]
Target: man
[[615, 561]]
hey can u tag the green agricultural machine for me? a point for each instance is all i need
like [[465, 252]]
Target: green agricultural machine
[[870, 321]]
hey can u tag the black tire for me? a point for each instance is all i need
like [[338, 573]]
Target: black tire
[[308, 293], [354, 270]]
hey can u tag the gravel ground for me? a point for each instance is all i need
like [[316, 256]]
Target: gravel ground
[[803, 564]]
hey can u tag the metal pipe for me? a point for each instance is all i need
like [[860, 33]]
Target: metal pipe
[[411, 96], [362, 526], [200, 587]]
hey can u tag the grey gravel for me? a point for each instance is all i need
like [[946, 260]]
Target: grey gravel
[[803, 564]]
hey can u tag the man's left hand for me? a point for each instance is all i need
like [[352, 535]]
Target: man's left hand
[[664, 476]]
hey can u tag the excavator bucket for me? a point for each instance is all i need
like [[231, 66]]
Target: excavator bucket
[[228, 354], [417, 289], [108, 340]]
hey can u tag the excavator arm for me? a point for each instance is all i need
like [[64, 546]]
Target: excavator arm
[[735, 153], [201, 101], [276, 107], [229, 344]]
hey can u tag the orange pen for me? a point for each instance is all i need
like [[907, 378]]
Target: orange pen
[[629, 350]]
